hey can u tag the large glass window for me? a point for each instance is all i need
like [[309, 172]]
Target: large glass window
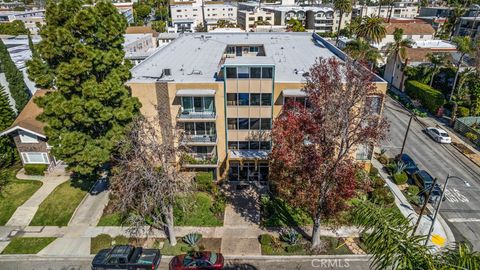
[[233, 145], [243, 123], [255, 72], [243, 145], [198, 104], [248, 171], [254, 99], [35, 157], [265, 145], [187, 104], [254, 145], [267, 72], [266, 99], [254, 123], [232, 99], [243, 72], [231, 72], [232, 123], [243, 99], [265, 124], [208, 104]]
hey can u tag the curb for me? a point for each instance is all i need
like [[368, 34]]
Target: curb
[[461, 152], [446, 227]]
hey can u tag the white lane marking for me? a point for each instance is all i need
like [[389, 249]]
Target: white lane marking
[[464, 220], [454, 196]]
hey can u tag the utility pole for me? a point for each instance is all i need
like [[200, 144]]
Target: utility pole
[[406, 134], [427, 198]]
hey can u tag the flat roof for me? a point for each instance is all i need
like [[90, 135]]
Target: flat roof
[[198, 57]]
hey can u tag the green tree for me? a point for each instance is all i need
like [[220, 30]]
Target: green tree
[[16, 84], [464, 46], [7, 116], [295, 25], [13, 28], [362, 51], [161, 13], [387, 236], [159, 26], [141, 12], [398, 48], [342, 6], [81, 57], [437, 60], [372, 29]]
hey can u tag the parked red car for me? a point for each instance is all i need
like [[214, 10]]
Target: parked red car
[[197, 260]]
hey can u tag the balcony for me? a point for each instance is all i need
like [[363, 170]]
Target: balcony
[[195, 115], [207, 140], [200, 160]]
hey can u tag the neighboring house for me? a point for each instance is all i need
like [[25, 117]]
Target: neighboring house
[[224, 90], [165, 38], [30, 18], [137, 47], [186, 15], [29, 136], [416, 30]]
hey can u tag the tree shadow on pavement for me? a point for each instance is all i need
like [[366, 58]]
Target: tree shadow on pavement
[[245, 202]]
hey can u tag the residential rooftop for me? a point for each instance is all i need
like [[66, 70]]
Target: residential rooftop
[[198, 57]]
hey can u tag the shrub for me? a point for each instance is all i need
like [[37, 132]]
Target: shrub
[[120, 240], [471, 136], [400, 178], [204, 181], [377, 182], [391, 167], [430, 98], [35, 169], [413, 190], [265, 239], [383, 159], [400, 166], [218, 205], [373, 171], [192, 239], [290, 236], [382, 196], [463, 111], [293, 248]]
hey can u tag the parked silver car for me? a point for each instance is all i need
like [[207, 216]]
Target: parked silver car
[[438, 134]]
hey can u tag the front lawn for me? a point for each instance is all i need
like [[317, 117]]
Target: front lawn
[[272, 245], [197, 210], [27, 245], [110, 219], [15, 193], [277, 213], [59, 206]]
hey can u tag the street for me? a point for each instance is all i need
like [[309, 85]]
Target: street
[[323, 262], [461, 209]]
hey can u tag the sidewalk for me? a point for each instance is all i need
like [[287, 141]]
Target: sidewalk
[[440, 230]]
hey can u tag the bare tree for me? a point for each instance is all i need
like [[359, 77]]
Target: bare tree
[[147, 179]]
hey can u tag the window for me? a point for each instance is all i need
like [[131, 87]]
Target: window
[[230, 50], [254, 123], [265, 124], [255, 72], [255, 99], [232, 99], [231, 72], [233, 145], [266, 99], [232, 123], [243, 123], [243, 145], [267, 72], [35, 158], [254, 49], [265, 145], [243, 72], [243, 99], [26, 137]]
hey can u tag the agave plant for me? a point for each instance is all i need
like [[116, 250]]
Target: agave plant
[[290, 236], [192, 239], [400, 166]]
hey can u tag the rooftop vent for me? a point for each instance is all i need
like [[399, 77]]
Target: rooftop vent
[[167, 72]]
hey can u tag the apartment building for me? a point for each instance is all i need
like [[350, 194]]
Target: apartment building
[[248, 20], [225, 89], [30, 18], [403, 9], [469, 25], [415, 30], [126, 9], [186, 15]]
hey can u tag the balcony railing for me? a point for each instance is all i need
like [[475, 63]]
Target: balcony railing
[[201, 138], [200, 159], [191, 114]]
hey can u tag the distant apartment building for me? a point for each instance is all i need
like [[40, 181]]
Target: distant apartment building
[[415, 30], [249, 19], [224, 90], [186, 15], [403, 9], [126, 9], [469, 25], [32, 19]]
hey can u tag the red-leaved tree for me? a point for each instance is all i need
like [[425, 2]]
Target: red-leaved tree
[[313, 157]]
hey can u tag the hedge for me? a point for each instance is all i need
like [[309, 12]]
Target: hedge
[[35, 169], [463, 111], [430, 98], [204, 181]]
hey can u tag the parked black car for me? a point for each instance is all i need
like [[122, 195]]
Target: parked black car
[[424, 181], [126, 257], [408, 161]]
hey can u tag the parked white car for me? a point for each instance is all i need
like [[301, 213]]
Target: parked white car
[[439, 135]]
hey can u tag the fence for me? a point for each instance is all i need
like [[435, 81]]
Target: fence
[[464, 125]]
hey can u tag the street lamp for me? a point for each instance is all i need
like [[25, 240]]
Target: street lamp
[[437, 208]]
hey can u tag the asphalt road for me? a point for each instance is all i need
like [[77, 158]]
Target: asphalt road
[[353, 263], [461, 209]]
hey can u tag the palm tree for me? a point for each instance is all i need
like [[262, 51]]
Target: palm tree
[[398, 48], [362, 51], [464, 47], [372, 29], [390, 8], [387, 236], [343, 6], [437, 60]]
